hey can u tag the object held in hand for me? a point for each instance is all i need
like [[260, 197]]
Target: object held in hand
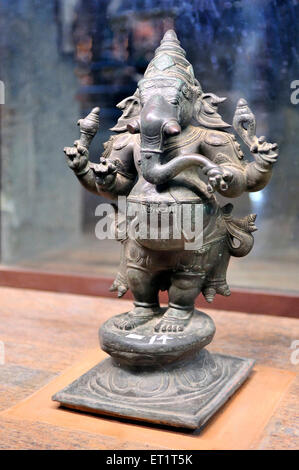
[[245, 125], [89, 126]]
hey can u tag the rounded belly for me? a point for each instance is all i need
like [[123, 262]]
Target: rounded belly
[[169, 226]]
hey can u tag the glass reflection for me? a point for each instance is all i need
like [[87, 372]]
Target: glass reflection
[[93, 52]]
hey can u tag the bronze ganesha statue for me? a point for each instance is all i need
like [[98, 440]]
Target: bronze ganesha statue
[[171, 148]]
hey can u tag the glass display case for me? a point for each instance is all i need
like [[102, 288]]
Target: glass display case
[[61, 58]]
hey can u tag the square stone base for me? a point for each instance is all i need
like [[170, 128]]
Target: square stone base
[[240, 424], [184, 395]]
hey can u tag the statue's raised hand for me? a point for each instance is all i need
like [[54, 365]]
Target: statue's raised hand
[[264, 153], [219, 179], [105, 171], [77, 157]]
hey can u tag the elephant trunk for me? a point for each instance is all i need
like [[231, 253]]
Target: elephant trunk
[[158, 173]]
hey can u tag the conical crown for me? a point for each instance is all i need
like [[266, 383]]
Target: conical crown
[[170, 60]]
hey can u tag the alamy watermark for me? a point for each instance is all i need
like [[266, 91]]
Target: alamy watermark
[[2, 92], [294, 358], [151, 221], [295, 94]]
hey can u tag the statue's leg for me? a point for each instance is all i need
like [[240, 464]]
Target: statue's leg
[[183, 291], [145, 288]]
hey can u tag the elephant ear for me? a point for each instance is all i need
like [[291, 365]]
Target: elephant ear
[[205, 111], [130, 111]]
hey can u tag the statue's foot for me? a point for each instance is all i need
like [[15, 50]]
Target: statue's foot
[[174, 320], [136, 317]]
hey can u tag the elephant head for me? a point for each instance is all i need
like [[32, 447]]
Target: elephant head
[[169, 98]]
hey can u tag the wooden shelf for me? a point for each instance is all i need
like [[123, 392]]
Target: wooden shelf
[[45, 333]]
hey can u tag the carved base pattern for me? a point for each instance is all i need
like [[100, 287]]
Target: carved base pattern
[[184, 394]]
